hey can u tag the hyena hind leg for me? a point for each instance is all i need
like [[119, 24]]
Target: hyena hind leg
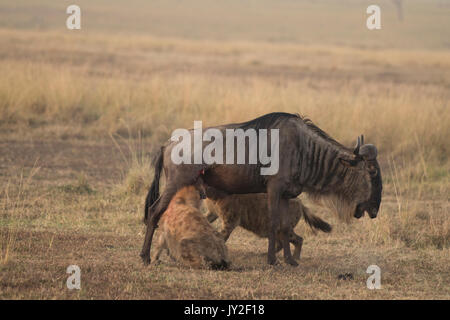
[[295, 239]]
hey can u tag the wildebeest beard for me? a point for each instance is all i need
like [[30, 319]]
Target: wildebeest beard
[[344, 209], [345, 198], [347, 190]]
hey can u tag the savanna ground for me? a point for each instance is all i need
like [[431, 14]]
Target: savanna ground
[[82, 113]]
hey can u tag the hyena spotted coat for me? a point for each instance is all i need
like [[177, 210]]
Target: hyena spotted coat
[[188, 237], [250, 212]]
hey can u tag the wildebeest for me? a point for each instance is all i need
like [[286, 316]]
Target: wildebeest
[[250, 211], [187, 236], [311, 162]]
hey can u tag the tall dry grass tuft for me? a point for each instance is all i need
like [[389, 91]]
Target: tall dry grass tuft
[[407, 219], [13, 209], [138, 171], [410, 123]]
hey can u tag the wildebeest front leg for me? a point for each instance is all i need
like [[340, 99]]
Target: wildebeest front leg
[[279, 212], [286, 231], [273, 204]]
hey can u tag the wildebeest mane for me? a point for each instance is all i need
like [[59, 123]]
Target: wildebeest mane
[[321, 133], [266, 121]]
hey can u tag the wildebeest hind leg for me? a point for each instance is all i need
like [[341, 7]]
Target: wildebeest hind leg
[[145, 252], [156, 211]]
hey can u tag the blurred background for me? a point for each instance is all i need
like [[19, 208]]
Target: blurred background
[[407, 24]]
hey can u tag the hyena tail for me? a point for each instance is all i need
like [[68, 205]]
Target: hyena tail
[[314, 221], [153, 192]]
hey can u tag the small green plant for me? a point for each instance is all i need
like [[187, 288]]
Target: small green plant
[[81, 187]]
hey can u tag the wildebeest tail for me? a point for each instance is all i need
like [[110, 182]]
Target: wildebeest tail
[[314, 221], [153, 192]]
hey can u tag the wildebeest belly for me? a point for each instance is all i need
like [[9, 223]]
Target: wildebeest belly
[[235, 179]]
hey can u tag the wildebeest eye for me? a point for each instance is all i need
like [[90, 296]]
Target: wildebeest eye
[[373, 171]]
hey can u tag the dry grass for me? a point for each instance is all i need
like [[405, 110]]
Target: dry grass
[[82, 113]]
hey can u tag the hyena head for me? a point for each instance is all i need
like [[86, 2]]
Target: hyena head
[[189, 196]]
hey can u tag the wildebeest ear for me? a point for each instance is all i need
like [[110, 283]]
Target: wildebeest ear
[[348, 162]]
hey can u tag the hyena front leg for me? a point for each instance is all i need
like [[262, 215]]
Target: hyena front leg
[[229, 223], [160, 246], [211, 209], [297, 241]]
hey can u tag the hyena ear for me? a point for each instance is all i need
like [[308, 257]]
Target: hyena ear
[[349, 162], [200, 186]]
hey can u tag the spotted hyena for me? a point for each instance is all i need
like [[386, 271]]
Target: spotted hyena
[[250, 211], [187, 235]]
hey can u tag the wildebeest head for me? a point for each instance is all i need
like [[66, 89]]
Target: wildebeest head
[[365, 160]]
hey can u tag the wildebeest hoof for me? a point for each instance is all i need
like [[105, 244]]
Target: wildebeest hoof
[[291, 262], [145, 259], [272, 260]]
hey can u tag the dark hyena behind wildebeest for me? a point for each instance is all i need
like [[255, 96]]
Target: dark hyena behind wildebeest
[[250, 212], [311, 162]]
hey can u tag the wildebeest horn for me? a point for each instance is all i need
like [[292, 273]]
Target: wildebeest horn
[[358, 145], [368, 151]]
